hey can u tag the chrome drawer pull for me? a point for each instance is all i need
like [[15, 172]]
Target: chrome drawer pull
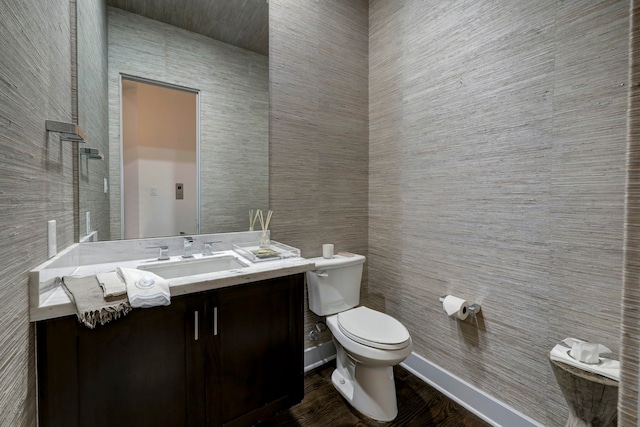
[[195, 324], [215, 320]]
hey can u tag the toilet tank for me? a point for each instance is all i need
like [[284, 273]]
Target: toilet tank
[[334, 285]]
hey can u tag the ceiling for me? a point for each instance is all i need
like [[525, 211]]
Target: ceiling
[[242, 23]]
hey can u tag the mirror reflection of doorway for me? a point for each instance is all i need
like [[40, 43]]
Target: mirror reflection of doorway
[[159, 160]]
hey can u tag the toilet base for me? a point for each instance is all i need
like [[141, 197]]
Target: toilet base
[[370, 390]]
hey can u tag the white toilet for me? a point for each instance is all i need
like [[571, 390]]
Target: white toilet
[[368, 343]]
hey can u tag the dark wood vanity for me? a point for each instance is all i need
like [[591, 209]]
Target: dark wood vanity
[[224, 357]]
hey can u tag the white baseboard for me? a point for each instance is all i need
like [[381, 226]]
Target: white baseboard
[[488, 408], [319, 355], [91, 237]]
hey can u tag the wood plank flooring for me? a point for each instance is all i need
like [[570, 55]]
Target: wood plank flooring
[[418, 405]]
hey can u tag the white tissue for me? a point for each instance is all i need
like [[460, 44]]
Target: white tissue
[[456, 307], [562, 352], [586, 352]]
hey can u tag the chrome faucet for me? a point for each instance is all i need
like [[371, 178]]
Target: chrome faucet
[[208, 247], [188, 247], [164, 252]]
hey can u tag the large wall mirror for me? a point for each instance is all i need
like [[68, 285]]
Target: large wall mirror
[[218, 48]]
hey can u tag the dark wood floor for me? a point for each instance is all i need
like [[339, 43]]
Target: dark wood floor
[[418, 405]]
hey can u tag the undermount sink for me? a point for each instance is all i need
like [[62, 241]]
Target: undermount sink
[[190, 267]]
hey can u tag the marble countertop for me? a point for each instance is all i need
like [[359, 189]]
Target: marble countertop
[[49, 300]]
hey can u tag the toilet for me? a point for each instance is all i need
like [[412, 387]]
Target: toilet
[[368, 343]]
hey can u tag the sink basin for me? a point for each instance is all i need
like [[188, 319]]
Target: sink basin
[[190, 267]]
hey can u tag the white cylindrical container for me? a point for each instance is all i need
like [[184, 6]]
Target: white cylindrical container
[[327, 251]]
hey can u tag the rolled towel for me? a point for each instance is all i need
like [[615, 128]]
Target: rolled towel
[[112, 285], [144, 288]]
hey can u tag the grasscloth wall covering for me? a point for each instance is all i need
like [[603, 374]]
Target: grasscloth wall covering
[[319, 126], [628, 402], [36, 179], [93, 114], [497, 173], [234, 97]]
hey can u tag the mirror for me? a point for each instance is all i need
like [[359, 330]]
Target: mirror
[[159, 159], [232, 83]]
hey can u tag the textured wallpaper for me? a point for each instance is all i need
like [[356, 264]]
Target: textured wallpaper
[[497, 174], [476, 149], [36, 179], [93, 115], [628, 395], [318, 68]]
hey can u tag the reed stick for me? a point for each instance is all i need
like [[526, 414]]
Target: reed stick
[[261, 218], [254, 218], [266, 227]]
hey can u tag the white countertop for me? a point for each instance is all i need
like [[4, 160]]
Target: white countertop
[[49, 300]]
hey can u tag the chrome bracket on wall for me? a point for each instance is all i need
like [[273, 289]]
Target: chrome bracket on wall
[[91, 153], [67, 131]]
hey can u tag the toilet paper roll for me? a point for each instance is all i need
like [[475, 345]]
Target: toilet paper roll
[[456, 307], [327, 251]]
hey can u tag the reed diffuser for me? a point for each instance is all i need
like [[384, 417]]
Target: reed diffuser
[[265, 240]]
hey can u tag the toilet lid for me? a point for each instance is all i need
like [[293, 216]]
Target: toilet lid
[[373, 329]]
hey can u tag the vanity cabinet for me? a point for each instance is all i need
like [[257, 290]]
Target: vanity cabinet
[[256, 358], [232, 356]]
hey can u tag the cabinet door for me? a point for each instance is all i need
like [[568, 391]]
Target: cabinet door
[[256, 364], [143, 369]]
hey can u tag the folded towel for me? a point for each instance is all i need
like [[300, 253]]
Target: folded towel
[[91, 306], [606, 367], [112, 285], [144, 288]]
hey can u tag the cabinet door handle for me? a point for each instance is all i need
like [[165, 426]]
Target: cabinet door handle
[[195, 326], [215, 320]]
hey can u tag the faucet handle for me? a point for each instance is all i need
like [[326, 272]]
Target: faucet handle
[[188, 247], [164, 252], [208, 247]]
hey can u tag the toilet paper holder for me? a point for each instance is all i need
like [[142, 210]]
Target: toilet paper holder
[[473, 308]]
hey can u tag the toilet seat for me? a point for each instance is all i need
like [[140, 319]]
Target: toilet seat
[[373, 328]]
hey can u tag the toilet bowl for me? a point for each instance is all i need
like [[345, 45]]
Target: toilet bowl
[[368, 343]]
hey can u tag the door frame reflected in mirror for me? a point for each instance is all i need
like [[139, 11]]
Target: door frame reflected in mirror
[[180, 226]]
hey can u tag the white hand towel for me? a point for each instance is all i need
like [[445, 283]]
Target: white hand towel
[[144, 288], [112, 284]]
